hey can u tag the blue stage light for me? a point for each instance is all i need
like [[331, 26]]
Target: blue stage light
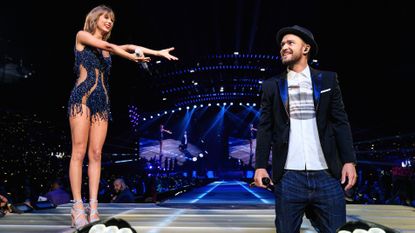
[[210, 174], [249, 174]]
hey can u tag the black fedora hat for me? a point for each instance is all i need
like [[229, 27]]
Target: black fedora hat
[[301, 32]]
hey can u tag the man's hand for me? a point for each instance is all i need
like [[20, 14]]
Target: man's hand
[[349, 171], [259, 174]]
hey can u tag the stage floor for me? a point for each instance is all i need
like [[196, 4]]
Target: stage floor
[[221, 207]]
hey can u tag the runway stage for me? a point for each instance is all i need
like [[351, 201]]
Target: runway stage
[[221, 207]]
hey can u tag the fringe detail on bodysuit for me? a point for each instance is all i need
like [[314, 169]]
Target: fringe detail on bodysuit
[[75, 109]]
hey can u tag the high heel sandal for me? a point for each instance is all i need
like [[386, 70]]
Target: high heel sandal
[[78, 214], [93, 211]]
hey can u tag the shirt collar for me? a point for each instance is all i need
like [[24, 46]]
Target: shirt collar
[[304, 73]]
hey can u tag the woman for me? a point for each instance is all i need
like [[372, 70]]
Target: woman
[[89, 106]]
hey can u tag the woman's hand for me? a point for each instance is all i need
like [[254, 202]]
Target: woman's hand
[[166, 54]]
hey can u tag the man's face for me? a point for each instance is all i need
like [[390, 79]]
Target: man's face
[[117, 186], [292, 48], [55, 186]]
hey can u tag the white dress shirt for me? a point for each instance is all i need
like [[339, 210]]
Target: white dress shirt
[[304, 148]]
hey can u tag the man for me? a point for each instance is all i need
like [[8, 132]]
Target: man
[[183, 145], [7, 207], [122, 192], [252, 131], [304, 122], [3, 205], [58, 195]]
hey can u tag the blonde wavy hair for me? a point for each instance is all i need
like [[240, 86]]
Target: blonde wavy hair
[[92, 18]]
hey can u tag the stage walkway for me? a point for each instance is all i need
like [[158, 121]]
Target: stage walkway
[[221, 207]]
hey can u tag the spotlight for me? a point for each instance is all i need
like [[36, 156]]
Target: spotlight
[[187, 107], [194, 159], [201, 155]]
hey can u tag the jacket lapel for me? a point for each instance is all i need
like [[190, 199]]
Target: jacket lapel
[[316, 79], [283, 89]]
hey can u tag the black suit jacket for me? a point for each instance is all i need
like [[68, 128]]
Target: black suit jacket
[[332, 123]]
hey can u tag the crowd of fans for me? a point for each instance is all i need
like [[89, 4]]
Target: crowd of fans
[[383, 185], [34, 157]]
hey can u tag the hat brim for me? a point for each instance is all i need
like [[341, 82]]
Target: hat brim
[[289, 30]]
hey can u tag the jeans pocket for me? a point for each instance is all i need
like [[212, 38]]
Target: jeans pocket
[[286, 172], [328, 173]]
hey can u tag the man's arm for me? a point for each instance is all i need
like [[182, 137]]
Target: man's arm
[[341, 126], [264, 134], [343, 135]]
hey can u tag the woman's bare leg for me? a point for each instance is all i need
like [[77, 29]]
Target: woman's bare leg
[[97, 135], [80, 125]]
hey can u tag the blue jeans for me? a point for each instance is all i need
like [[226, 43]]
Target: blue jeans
[[315, 192]]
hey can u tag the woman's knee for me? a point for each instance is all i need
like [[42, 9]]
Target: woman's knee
[[78, 151], [95, 154]]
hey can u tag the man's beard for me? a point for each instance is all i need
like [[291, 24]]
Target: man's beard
[[293, 60]]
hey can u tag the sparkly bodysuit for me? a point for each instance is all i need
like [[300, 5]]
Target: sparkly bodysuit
[[91, 90]]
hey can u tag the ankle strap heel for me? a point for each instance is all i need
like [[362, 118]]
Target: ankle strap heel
[[93, 210], [78, 214]]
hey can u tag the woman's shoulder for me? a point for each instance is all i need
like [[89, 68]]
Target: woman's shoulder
[[82, 33]]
